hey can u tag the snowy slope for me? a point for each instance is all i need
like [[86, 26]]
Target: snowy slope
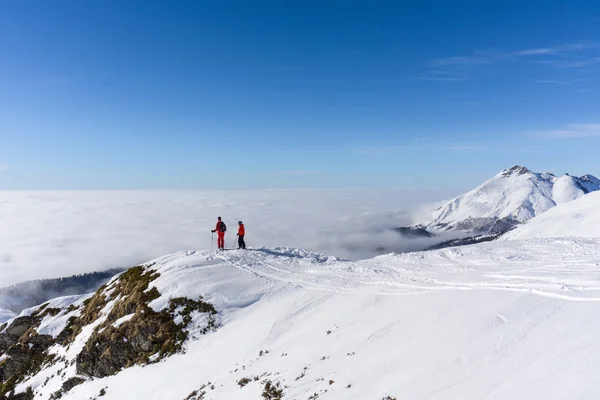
[[512, 197], [502, 320], [579, 218]]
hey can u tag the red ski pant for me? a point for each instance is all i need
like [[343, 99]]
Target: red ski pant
[[221, 240]]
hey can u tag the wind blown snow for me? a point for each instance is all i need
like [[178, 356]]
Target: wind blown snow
[[53, 234]]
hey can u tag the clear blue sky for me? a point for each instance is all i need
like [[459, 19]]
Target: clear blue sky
[[252, 94]]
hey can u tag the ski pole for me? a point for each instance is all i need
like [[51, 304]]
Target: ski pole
[[212, 241]]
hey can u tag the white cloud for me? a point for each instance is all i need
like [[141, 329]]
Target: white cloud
[[448, 147], [574, 55], [535, 52], [4, 167], [571, 131], [52, 234]]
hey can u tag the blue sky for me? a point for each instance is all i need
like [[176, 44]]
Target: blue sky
[[274, 94]]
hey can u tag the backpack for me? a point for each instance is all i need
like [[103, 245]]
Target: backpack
[[222, 227]]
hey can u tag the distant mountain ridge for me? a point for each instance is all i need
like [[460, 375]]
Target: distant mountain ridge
[[510, 198]]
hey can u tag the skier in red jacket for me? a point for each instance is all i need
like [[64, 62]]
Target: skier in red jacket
[[220, 229], [241, 233]]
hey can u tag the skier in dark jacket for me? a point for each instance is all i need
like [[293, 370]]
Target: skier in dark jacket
[[241, 233], [220, 229]]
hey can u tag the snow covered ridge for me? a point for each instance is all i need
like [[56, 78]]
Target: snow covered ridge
[[291, 324], [510, 198], [578, 218]]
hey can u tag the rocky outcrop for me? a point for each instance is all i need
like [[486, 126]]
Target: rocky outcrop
[[127, 332], [27, 395], [25, 350]]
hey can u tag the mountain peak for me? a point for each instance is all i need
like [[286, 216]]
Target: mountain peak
[[515, 170], [510, 198]]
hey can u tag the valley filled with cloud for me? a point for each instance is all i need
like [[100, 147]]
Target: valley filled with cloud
[[54, 234]]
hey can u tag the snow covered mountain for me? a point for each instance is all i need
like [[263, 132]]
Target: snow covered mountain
[[501, 320], [512, 197], [578, 218]]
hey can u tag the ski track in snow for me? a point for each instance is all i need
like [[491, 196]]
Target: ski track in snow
[[568, 280], [499, 320]]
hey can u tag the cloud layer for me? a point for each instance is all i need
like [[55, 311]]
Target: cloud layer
[[52, 234]]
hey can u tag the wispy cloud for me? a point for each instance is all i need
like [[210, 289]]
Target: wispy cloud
[[570, 131], [456, 68], [491, 56], [553, 81], [570, 63], [534, 52], [452, 148]]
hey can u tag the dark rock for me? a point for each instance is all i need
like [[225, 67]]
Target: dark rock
[[464, 241], [26, 351], [26, 357], [515, 170], [481, 226], [27, 395], [71, 383], [21, 325], [6, 341]]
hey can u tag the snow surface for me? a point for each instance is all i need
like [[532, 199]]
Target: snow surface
[[515, 194], [54, 325], [579, 218], [122, 320], [565, 189], [500, 320]]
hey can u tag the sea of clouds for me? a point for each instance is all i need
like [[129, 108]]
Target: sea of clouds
[[53, 234]]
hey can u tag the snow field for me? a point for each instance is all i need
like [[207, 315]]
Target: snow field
[[502, 320]]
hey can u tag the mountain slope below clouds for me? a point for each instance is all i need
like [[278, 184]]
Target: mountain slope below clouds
[[510, 198], [579, 218], [30, 293], [5, 315], [502, 320]]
